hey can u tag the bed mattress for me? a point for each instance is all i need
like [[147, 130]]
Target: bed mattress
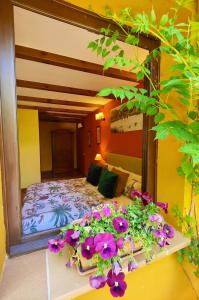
[[54, 204]]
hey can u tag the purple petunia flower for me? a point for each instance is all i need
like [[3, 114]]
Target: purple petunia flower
[[156, 218], [55, 246], [96, 214], [159, 233], [163, 205], [88, 248], [72, 237], [146, 198], [116, 267], [168, 230], [163, 233], [120, 224], [105, 245], [97, 282], [136, 194], [120, 243], [132, 266], [124, 211], [106, 211], [116, 283]]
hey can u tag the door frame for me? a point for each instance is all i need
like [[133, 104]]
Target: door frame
[[68, 13]]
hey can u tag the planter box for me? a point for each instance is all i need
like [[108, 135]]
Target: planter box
[[89, 266]]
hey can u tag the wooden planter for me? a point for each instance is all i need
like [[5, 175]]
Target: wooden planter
[[89, 266]]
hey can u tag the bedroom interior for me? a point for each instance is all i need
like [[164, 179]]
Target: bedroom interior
[[62, 129], [35, 62]]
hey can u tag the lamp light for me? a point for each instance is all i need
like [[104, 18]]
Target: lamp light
[[79, 125], [99, 116], [98, 157]]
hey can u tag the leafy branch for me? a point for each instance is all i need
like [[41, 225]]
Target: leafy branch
[[179, 43]]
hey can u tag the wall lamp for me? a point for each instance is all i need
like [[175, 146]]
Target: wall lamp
[[100, 116]]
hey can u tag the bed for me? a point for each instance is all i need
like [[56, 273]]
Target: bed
[[54, 204]]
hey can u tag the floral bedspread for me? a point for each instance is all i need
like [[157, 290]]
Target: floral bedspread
[[54, 204]]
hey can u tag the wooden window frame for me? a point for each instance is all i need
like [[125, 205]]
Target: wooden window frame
[[8, 111]]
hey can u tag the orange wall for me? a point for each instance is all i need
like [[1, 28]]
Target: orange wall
[[128, 143]]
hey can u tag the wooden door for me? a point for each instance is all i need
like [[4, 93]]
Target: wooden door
[[62, 151]]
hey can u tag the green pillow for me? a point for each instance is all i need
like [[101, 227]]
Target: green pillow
[[107, 183], [94, 173]]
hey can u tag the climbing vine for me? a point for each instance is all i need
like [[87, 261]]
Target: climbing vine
[[178, 42]]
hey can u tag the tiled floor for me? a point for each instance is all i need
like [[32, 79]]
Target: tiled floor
[[25, 278]]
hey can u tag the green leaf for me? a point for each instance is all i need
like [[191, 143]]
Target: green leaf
[[131, 40], [92, 45], [129, 105], [105, 92], [187, 167], [115, 48], [109, 63], [192, 115], [164, 20], [184, 101], [153, 16], [159, 117], [194, 126], [105, 52], [191, 148], [152, 110], [140, 75]]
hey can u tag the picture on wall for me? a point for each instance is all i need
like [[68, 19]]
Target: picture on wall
[[98, 135], [125, 120]]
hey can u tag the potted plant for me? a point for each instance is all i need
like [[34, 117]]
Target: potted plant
[[108, 234]]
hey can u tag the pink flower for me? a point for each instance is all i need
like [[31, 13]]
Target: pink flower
[[156, 218], [105, 245], [163, 205], [124, 211], [116, 283], [97, 282], [55, 246], [120, 224], [72, 237], [96, 214], [136, 194], [106, 211]]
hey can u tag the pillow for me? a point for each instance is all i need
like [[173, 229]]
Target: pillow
[[107, 183], [103, 165], [110, 167], [121, 182], [133, 183], [94, 173]]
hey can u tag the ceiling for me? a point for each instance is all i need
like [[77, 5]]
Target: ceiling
[[60, 92]]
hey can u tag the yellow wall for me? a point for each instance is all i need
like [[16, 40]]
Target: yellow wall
[[29, 149], [2, 232], [161, 280], [164, 280], [45, 129]]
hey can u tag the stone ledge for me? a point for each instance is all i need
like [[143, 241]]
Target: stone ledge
[[66, 284]]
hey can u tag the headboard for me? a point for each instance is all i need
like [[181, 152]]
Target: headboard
[[129, 163]]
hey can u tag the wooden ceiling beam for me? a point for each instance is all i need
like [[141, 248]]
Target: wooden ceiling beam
[[40, 108], [62, 115], [48, 119], [56, 101], [76, 16], [55, 88], [71, 63]]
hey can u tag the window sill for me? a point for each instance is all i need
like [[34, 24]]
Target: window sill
[[65, 284]]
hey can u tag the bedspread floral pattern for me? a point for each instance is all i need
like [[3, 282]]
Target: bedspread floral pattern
[[54, 204]]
